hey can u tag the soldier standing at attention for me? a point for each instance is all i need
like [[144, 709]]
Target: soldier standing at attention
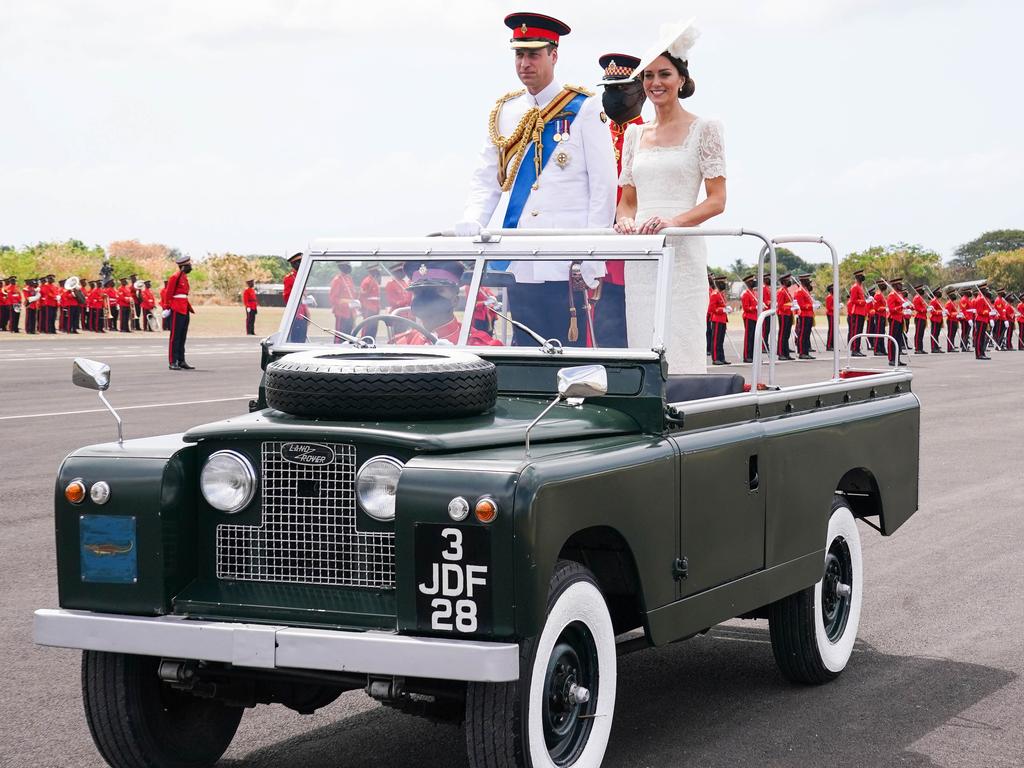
[[784, 300], [936, 315], [830, 305], [31, 302], [135, 285], [165, 308], [343, 299], [148, 304], [181, 309], [920, 309], [709, 329], [5, 308], [548, 164], [894, 309], [48, 302], [880, 307], [622, 101], [750, 311], [951, 311], [14, 300], [856, 312], [967, 320], [805, 317], [1010, 318], [251, 304], [983, 313], [125, 306], [1020, 322], [300, 324], [719, 321]]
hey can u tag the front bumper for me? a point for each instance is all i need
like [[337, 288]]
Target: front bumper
[[279, 647]]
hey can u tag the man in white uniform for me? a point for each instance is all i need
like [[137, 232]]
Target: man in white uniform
[[548, 163]]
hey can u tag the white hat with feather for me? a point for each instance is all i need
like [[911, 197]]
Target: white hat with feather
[[676, 38]]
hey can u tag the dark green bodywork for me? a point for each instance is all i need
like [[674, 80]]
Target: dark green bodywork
[[686, 521]]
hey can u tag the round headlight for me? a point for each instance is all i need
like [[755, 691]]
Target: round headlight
[[228, 481], [376, 485], [99, 493]]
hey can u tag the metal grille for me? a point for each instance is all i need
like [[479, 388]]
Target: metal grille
[[308, 534]]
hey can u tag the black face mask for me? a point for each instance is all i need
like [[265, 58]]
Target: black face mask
[[430, 305], [187, 268], [622, 103]]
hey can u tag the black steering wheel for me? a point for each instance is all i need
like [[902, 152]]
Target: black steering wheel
[[388, 320]]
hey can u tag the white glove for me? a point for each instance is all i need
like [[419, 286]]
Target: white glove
[[308, 300], [468, 228], [945, 313], [1006, 323], [728, 309], [16, 308], [816, 304], [165, 314]]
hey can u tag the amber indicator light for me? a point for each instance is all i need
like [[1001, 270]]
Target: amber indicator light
[[486, 510], [75, 492]]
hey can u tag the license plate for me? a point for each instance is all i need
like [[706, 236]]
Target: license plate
[[453, 578]]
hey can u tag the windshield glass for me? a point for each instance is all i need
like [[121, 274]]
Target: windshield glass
[[538, 303]]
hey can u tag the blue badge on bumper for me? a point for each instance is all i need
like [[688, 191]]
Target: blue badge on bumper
[[108, 549]]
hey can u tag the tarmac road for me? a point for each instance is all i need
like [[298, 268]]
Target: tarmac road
[[935, 679]]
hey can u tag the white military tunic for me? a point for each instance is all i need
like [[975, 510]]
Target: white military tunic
[[579, 196]]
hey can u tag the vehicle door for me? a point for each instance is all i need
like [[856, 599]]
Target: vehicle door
[[722, 506]]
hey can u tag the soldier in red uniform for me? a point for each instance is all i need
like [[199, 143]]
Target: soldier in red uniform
[[805, 317], [998, 327], [343, 299], [1020, 322], [967, 320], [13, 299], [830, 305], [856, 312], [31, 305], [125, 306], [622, 100], [300, 325], [766, 327], [879, 308], [952, 314], [148, 304], [395, 294], [251, 304], [920, 310], [750, 311], [936, 316], [369, 297], [165, 308], [48, 301], [435, 294], [785, 304], [1010, 318], [5, 307], [181, 309], [894, 310], [719, 320], [983, 314]]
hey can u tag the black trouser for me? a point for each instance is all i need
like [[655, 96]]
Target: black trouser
[[124, 316], [136, 324], [1020, 334], [980, 339], [165, 322], [830, 340], [15, 317], [179, 332], [856, 323], [749, 327], [936, 331], [803, 335], [1008, 338], [31, 318], [952, 326], [718, 341], [709, 330], [896, 331], [610, 316], [5, 316], [51, 319], [250, 322], [544, 308], [73, 318], [112, 323], [919, 329], [966, 337], [787, 329]]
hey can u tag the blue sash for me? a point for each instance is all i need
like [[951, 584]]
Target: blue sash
[[527, 174]]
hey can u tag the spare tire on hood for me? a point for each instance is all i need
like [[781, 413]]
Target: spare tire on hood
[[378, 385]]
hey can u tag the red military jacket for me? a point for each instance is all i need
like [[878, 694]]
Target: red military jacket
[[29, 292], [952, 309], [920, 307], [249, 298], [125, 297], [805, 302], [983, 309], [48, 295], [396, 295], [449, 332], [748, 303], [935, 310], [13, 297], [785, 301], [716, 308], [967, 307], [879, 303], [369, 296], [1020, 312], [342, 295], [148, 300], [858, 304], [1000, 307], [177, 293], [894, 303], [830, 304]]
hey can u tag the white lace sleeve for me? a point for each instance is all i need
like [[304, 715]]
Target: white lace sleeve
[[711, 150], [629, 142]]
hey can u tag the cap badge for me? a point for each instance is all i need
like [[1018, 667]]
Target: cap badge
[[423, 269], [523, 29]]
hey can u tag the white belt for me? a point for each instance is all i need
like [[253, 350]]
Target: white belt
[[180, 296]]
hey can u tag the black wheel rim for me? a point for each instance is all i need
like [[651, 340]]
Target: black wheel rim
[[837, 589], [567, 722]]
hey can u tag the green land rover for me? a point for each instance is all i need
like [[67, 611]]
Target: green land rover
[[468, 519]]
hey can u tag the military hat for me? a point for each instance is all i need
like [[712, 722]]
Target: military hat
[[829, 288], [750, 278], [297, 256], [51, 277], [12, 278], [787, 276], [919, 288], [618, 68], [182, 259], [433, 274], [535, 30], [250, 281], [146, 283]]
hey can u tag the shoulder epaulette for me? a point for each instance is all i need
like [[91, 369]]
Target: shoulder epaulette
[[510, 95], [578, 89]]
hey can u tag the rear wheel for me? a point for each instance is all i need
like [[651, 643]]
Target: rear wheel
[[560, 711], [813, 631], [138, 721]]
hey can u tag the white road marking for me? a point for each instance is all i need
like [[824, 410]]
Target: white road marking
[[126, 408], [81, 353]]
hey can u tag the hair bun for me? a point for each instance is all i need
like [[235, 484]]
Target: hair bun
[[688, 88]]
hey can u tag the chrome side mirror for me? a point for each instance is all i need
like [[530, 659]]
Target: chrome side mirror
[[574, 384], [582, 381], [91, 374]]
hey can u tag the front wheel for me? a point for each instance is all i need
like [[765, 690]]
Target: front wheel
[[138, 721], [813, 631], [559, 713]]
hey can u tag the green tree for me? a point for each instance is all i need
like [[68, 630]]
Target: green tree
[[965, 257], [227, 273], [790, 262], [277, 266], [1004, 269], [910, 262]]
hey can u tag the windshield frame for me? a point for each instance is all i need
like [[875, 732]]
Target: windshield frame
[[557, 248]]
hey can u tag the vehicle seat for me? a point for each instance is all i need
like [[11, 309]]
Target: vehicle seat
[[696, 386]]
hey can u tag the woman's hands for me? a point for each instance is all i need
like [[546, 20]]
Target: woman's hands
[[652, 226], [625, 226]]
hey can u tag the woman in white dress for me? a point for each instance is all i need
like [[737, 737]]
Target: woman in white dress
[[663, 165]]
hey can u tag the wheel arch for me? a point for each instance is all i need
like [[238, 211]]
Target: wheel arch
[[859, 488]]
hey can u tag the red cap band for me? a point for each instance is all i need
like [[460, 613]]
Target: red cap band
[[524, 31]]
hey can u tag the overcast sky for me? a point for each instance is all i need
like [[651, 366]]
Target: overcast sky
[[255, 126]]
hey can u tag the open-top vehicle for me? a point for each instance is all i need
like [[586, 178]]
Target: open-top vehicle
[[468, 520]]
